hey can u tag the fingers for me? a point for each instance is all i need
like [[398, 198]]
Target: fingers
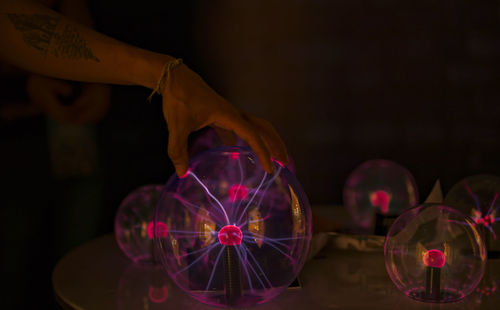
[[248, 133], [271, 138], [178, 149]]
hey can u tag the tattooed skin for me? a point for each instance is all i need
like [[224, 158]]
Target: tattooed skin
[[42, 32]]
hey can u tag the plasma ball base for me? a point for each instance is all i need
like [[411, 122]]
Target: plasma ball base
[[445, 295]]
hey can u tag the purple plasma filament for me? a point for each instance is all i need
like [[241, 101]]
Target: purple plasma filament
[[237, 192], [161, 229], [380, 199], [434, 258], [230, 235]]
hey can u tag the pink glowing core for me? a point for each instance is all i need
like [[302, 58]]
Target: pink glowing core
[[230, 235], [380, 199], [434, 258], [237, 192], [234, 155], [158, 294], [161, 230]]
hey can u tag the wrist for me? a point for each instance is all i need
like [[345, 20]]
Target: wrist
[[148, 68]]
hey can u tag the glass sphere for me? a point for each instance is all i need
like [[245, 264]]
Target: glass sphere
[[134, 224], [477, 196], [378, 187], [237, 236], [434, 253]]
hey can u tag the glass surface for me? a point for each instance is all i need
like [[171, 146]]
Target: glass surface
[[434, 253], [378, 187], [477, 197], [207, 139], [237, 236], [134, 224]]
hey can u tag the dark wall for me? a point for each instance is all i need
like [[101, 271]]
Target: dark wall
[[416, 82]]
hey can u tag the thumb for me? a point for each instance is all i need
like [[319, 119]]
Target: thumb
[[177, 151]]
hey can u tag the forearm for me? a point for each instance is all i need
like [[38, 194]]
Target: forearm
[[42, 41]]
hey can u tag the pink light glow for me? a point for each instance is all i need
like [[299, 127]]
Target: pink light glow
[[434, 258], [234, 155], [230, 235], [185, 174], [161, 229], [279, 163], [158, 294], [237, 192], [380, 199]]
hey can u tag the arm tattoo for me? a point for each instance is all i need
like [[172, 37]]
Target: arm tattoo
[[42, 32]]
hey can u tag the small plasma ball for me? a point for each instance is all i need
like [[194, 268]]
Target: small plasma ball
[[434, 253], [237, 236], [477, 196], [378, 187], [134, 226]]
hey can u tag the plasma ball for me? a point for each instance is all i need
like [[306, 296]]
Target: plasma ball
[[434, 258], [237, 192], [230, 235], [161, 230], [380, 199]]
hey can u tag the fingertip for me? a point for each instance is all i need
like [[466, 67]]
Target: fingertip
[[181, 171]]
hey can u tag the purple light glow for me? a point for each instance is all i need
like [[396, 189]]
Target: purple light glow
[[434, 258], [230, 235]]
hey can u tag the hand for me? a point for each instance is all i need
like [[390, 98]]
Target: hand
[[189, 104]]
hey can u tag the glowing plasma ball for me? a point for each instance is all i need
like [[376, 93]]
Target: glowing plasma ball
[[134, 228], [419, 269], [237, 236], [434, 258], [378, 187], [477, 196]]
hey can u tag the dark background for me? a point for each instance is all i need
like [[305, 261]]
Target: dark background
[[343, 81]]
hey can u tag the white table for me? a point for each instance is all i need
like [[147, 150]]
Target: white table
[[98, 276]]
